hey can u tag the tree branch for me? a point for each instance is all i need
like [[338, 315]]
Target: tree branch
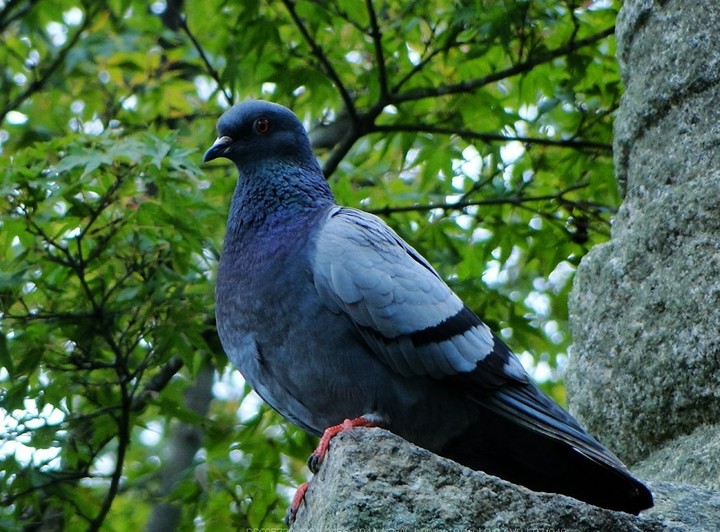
[[157, 383], [324, 61], [123, 424], [493, 137], [214, 74], [459, 205], [361, 126], [379, 54], [469, 86], [6, 15], [49, 70], [339, 153], [364, 124]]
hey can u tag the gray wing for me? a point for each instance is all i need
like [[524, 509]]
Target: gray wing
[[402, 308], [417, 325]]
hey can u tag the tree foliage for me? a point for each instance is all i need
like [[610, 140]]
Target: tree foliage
[[480, 130]]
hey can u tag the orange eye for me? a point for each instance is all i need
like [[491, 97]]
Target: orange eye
[[262, 126]]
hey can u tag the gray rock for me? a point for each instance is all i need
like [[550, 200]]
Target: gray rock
[[669, 58], [373, 479], [691, 459], [645, 307], [685, 507]]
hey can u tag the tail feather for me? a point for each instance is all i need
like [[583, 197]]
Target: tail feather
[[510, 450]]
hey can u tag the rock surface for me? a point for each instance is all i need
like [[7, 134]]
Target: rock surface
[[645, 307], [690, 459], [373, 479], [685, 507]]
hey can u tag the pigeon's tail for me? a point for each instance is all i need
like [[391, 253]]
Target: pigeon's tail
[[549, 453]]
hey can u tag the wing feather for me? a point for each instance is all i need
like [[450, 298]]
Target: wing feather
[[404, 311]]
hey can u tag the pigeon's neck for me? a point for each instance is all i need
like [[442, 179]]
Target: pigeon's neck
[[270, 223], [278, 194]]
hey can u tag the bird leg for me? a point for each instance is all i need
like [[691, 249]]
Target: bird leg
[[296, 502], [317, 457]]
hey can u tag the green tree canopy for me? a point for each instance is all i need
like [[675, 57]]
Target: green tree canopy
[[480, 130]]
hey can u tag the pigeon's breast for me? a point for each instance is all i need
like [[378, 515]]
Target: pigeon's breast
[[310, 362], [300, 357]]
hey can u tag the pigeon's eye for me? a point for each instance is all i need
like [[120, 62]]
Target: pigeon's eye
[[262, 126]]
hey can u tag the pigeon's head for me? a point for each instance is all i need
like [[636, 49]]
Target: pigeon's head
[[255, 131]]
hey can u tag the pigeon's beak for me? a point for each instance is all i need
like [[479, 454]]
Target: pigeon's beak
[[218, 149]]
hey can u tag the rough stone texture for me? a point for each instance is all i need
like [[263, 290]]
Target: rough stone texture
[[645, 307], [373, 479], [685, 507], [691, 459]]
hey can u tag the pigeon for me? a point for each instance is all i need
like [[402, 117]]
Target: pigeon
[[336, 322]]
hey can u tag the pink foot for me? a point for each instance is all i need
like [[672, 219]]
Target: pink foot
[[296, 503], [317, 457]]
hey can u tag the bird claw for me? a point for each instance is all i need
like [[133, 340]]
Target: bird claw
[[318, 456], [313, 463], [296, 503]]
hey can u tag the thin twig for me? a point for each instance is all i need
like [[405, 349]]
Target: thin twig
[[421, 64], [7, 18], [459, 205], [49, 70], [379, 55], [492, 137], [214, 74], [157, 382], [469, 86], [324, 61]]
